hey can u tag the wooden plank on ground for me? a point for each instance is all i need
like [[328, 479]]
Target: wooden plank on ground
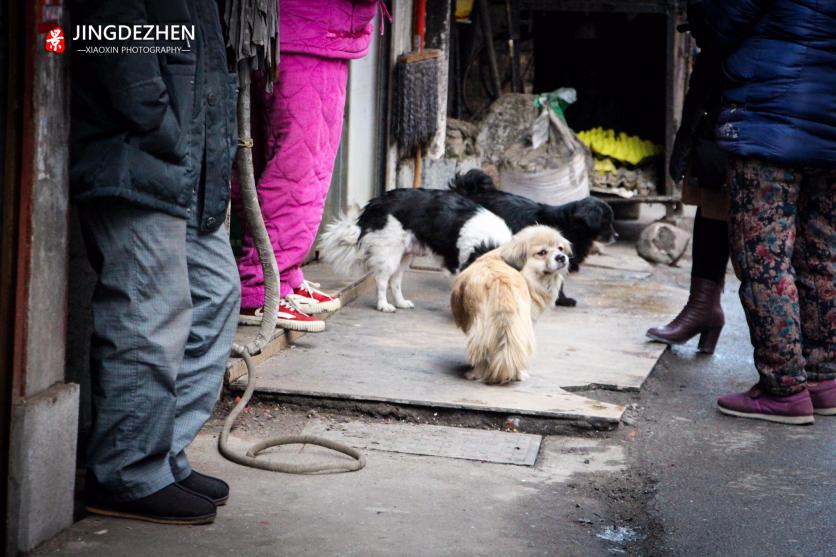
[[417, 357], [349, 288]]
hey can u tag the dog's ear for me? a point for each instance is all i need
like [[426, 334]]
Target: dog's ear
[[567, 248], [514, 253], [593, 218]]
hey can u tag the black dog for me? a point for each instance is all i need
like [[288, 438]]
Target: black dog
[[581, 222]]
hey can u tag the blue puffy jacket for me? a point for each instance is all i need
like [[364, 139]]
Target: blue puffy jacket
[[779, 78]]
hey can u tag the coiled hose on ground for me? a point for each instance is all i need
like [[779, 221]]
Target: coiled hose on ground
[[255, 222]]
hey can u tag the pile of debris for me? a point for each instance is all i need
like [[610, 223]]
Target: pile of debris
[[508, 120], [524, 140], [462, 144], [626, 182], [534, 151]]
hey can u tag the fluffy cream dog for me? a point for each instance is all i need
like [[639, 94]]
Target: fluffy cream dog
[[496, 300]]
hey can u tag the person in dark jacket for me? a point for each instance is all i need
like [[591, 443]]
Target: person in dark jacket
[[778, 122], [701, 166], [153, 136]]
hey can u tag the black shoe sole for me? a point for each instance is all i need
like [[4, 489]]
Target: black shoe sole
[[195, 520]]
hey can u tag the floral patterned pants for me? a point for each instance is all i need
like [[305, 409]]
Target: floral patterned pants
[[783, 247]]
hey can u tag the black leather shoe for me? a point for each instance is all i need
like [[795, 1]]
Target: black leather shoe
[[170, 505], [215, 489]]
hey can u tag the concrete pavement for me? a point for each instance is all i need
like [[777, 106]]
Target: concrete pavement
[[676, 478], [728, 486]]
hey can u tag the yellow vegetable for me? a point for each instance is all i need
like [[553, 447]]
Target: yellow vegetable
[[602, 166], [622, 147]]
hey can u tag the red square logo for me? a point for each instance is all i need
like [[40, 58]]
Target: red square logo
[[54, 40]]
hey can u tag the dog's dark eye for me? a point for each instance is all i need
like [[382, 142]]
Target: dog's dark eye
[[560, 248], [541, 253]]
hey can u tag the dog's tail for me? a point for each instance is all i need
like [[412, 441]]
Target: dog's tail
[[501, 337], [472, 182], [340, 246], [478, 251]]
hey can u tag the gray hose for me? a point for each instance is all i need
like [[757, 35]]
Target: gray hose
[[250, 459], [255, 222], [252, 214]]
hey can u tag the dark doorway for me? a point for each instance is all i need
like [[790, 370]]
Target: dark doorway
[[616, 62]]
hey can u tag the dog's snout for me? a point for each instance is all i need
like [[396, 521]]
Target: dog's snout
[[560, 258], [613, 237]]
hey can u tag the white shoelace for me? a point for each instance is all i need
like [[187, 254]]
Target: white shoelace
[[312, 288], [292, 304], [284, 303]]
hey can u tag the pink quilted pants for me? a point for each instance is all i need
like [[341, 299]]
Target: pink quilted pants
[[299, 127]]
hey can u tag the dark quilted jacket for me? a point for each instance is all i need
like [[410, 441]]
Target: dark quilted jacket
[[154, 129], [779, 88]]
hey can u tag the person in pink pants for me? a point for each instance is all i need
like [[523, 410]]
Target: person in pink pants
[[299, 126]]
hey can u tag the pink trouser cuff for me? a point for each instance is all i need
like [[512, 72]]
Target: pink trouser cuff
[[253, 296]]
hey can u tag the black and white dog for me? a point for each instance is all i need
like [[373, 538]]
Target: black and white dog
[[403, 223], [581, 222]]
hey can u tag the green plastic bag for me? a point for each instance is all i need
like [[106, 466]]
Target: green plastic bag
[[558, 100]]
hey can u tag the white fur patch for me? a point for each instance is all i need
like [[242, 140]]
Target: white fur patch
[[387, 253], [339, 245], [386, 247], [383, 249], [482, 227]]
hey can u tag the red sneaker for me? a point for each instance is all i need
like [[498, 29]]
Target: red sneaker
[[290, 317], [313, 301]]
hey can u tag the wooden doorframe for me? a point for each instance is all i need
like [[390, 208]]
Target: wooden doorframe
[[336, 202], [384, 75], [11, 127]]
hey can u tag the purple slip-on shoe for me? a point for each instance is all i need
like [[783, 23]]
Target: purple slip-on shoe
[[795, 409], [823, 395]]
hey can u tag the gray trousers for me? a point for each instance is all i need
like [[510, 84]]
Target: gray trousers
[[165, 310]]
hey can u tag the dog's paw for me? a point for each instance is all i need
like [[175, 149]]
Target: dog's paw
[[566, 302], [405, 304], [522, 375], [386, 308], [473, 375]]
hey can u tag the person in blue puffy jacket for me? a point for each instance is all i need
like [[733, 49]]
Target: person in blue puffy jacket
[[778, 124]]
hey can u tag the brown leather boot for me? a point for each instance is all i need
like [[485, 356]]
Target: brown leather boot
[[702, 315]]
